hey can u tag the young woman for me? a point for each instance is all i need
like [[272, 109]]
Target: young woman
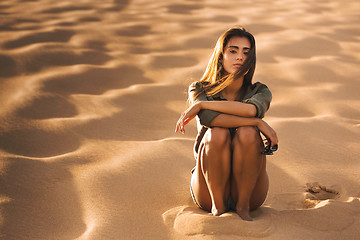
[[230, 172]]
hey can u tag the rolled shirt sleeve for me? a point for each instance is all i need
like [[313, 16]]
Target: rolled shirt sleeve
[[205, 116], [259, 95], [261, 99]]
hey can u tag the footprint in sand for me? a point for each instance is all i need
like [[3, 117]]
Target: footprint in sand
[[317, 193]]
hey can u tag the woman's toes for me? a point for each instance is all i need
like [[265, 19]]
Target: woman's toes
[[217, 212], [244, 214]]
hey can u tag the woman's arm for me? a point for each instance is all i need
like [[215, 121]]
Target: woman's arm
[[231, 121], [205, 115], [228, 121], [194, 109], [230, 107]]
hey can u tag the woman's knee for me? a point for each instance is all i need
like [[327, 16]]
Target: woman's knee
[[215, 150], [247, 136], [217, 137]]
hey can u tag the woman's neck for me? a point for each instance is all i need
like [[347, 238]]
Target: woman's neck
[[232, 91]]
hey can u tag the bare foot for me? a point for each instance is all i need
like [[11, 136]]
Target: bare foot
[[217, 212], [244, 214]]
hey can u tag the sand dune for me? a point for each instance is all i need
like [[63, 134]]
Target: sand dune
[[90, 93]]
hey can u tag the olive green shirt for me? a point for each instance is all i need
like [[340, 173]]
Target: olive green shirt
[[257, 94]]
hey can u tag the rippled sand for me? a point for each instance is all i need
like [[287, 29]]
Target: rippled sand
[[90, 92]]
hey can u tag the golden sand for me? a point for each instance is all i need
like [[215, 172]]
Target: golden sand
[[90, 92]]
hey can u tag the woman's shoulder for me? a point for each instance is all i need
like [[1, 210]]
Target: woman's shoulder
[[259, 86], [256, 88], [197, 86]]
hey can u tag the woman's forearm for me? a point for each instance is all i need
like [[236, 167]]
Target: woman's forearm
[[230, 107], [231, 121]]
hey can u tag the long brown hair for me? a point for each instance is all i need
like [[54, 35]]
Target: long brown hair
[[215, 78]]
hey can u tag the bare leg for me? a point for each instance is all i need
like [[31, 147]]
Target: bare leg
[[250, 183], [210, 180]]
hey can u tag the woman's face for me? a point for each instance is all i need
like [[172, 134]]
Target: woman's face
[[235, 53]]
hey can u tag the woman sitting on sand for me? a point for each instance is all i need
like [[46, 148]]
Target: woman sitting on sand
[[230, 172]]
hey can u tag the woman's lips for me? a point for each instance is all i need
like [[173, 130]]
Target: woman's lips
[[237, 65]]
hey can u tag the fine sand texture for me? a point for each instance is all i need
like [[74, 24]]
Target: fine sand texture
[[90, 92]]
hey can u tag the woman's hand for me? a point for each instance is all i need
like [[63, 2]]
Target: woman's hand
[[187, 116], [269, 133]]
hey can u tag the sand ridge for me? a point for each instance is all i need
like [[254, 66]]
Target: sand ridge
[[90, 93]]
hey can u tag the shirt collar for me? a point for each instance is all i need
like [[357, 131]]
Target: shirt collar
[[219, 96]]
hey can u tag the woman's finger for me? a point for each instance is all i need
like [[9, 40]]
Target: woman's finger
[[275, 141], [178, 124], [177, 127], [182, 129], [184, 119]]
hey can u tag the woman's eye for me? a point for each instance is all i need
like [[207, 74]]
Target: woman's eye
[[232, 51], [246, 53]]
